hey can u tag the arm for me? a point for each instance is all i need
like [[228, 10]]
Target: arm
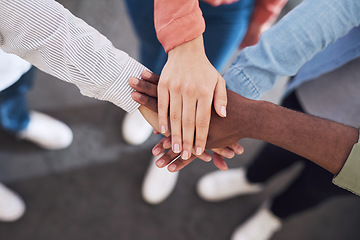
[[47, 35], [179, 25], [323, 142], [285, 47], [264, 15]]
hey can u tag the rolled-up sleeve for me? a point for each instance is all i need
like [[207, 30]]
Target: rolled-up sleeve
[[349, 176], [177, 21], [286, 47], [48, 36]]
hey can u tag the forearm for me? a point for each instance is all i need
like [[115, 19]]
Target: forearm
[[48, 36], [177, 22], [284, 48], [324, 142]]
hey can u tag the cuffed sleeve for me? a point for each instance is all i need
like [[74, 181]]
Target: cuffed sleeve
[[177, 22], [349, 176], [48, 36]]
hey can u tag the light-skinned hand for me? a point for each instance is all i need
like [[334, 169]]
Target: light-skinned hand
[[188, 86]]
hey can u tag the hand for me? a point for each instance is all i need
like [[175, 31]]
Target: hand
[[253, 34], [241, 121], [148, 86], [219, 2], [188, 83], [175, 163]]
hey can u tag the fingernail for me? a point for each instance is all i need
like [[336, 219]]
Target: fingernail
[[156, 151], [199, 151], [176, 148], [229, 154], [146, 74], [134, 81], [240, 150], [185, 155], [163, 129], [223, 111], [160, 163], [167, 144], [225, 169], [208, 158], [172, 167]]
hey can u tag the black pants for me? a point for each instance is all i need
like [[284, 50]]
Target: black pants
[[313, 185]]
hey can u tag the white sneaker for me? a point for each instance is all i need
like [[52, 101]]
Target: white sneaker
[[219, 185], [47, 132], [158, 183], [12, 206], [261, 226], [135, 129]]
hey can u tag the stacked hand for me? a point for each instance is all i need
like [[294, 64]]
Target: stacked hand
[[222, 137], [187, 98]]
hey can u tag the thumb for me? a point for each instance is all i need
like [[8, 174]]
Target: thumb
[[220, 97]]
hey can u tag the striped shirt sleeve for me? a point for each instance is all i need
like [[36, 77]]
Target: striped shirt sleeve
[[48, 36]]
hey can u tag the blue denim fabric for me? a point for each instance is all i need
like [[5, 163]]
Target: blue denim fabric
[[282, 50], [226, 26], [14, 112], [332, 57]]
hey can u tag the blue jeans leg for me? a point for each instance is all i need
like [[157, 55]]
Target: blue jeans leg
[[152, 54], [14, 111], [226, 26]]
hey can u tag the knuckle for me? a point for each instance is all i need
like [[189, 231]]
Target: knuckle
[[146, 85], [162, 106], [163, 85], [188, 122], [175, 116], [176, 88], [204, 94], [202, 124], [190, 89]]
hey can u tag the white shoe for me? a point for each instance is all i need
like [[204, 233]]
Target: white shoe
[[12, 206], [218, 186], [158, 183], [47, 132], [135, 129], [261, 226]]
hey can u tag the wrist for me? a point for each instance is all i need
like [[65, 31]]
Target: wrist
[[195, 46], [254, 117]]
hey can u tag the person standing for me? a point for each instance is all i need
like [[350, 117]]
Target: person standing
[[17, 77], [228, 19]]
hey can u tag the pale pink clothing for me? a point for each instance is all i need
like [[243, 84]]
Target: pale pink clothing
[[179, 21]]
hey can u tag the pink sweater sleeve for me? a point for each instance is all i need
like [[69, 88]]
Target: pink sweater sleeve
[[267, 10], [177, 21]]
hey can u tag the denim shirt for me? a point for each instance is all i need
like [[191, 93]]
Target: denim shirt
[[297, 38]]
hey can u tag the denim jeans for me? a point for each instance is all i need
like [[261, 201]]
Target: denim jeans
[[14, 111], [226, 26]]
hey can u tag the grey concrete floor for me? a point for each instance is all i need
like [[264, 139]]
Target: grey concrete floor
[[92, 189]]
